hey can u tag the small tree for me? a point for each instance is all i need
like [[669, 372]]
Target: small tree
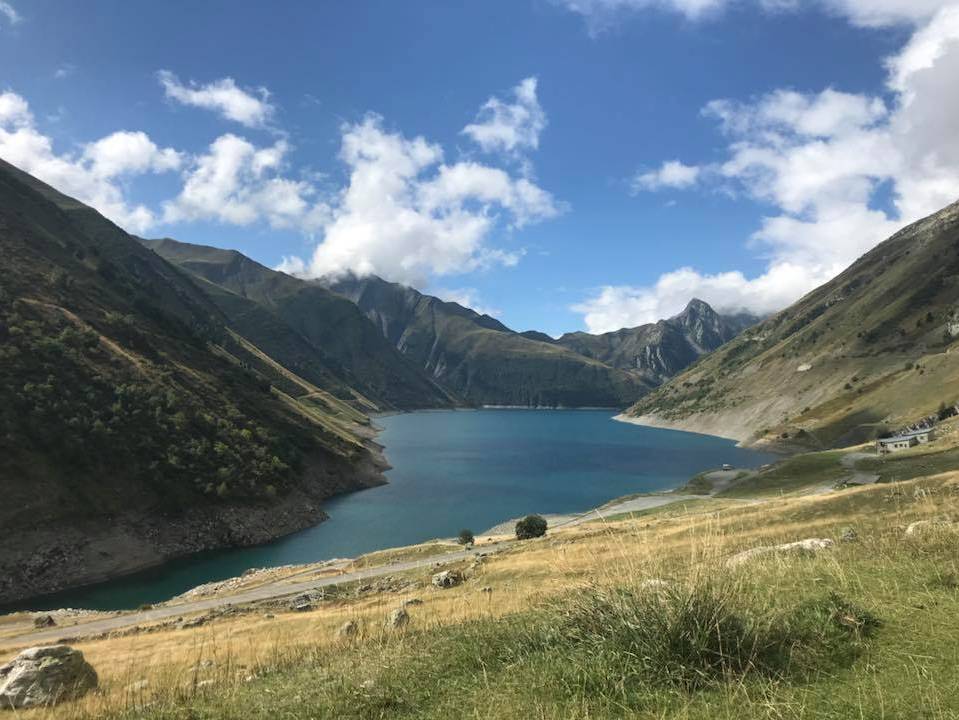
[[531, 526], [466, 537]]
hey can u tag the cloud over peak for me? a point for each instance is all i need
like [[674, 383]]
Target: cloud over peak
[[251, 108], [408, 215]]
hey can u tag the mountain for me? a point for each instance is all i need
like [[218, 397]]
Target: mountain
[[320, 334], [658, 351], [480, 359], [869, 351], [136, 423]]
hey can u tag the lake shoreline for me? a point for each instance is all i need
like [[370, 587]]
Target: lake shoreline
[[584, 467]]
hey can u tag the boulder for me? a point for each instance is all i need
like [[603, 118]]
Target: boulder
[[44, 621], [347, 630], [447, 579], [411, 601], [808, 546], [848, 535], [43, 676], [921, 526], [398, 619]]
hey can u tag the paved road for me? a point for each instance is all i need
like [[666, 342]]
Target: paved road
[[276, 589], [637, 504]]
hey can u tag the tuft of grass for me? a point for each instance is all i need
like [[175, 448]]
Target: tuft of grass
[[696, 636]]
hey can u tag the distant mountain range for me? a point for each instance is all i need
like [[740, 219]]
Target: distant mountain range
[[657, 351], [160, 398], [870, 350]]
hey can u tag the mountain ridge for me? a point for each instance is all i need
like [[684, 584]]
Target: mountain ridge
[[858, 356]]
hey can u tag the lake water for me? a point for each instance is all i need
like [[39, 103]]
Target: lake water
[[454, 470]]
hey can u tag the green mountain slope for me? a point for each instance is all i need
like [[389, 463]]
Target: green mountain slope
[[321, 335], [871, 350], [135, 424], [482, 360], [660, 350]]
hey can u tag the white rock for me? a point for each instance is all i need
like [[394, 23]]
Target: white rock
[[921, 526], [41, 676], [803, 547], [398, 619]]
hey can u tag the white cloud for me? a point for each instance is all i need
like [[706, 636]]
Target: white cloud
[[821, 160], [64, 71], [238, 183], [671, 174], [247, 107], [95, 174], [602, 14], [9, 12], [509, 127], [467, 297], [407, 215]]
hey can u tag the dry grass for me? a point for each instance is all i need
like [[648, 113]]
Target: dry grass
[[610, 554]]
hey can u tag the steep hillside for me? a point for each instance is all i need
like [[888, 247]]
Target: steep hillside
[[660, 350], [135, 424], [482, 360], [307, 327], [868, 351]]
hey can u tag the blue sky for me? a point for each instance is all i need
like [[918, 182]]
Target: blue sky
[[566, 164]]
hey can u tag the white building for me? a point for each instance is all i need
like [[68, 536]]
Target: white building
[[904, 441]]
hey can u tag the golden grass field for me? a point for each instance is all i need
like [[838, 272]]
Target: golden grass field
[[226, 657]]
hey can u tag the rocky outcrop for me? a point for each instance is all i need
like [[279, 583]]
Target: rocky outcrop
[[447, 579], [44, 676], [922, 526], [398, 619], [809, 546], [348, 630]]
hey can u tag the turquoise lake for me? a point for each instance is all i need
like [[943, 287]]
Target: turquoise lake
[[454, 470]]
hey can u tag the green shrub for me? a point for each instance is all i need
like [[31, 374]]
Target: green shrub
[[466, 537], [531, 526]]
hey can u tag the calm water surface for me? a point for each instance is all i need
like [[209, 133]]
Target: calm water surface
[[454, 470]]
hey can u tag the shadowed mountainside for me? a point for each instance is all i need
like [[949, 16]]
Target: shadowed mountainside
[[482, 360], [307, 327], [135, 423]]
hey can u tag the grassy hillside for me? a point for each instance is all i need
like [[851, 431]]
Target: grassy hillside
[[660, 350], [319, 334], [482, 360], [634, 617], [134, 425], [868, 351]]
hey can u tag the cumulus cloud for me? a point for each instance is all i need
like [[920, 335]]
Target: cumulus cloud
[[602, 14], [509, 126], [671, 174], [251, 108], [93, 175], [407, 215], [238, 183], [9, 12], [821, 159]]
